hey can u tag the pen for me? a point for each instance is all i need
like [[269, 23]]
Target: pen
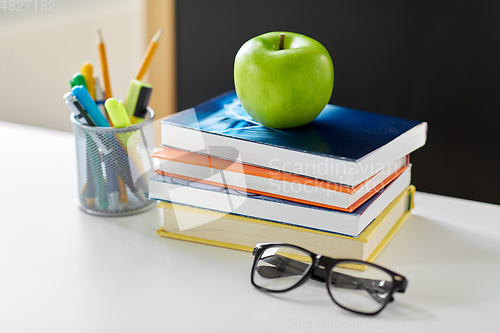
[[88, 73], [78, 110], [95, 180], [81, 115], [153, 44], [89, 105]]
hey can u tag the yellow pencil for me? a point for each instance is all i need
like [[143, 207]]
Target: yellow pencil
[[88, 73], [143, 68], [104, 65]]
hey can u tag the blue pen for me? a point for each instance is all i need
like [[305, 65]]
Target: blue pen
[[83, 96]]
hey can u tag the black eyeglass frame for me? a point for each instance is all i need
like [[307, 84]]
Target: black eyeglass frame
[[320, 270]]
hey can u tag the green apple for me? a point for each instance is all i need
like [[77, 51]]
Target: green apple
[[283, 88]]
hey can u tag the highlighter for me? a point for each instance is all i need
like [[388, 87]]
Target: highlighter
[[117, 113], [82, 95], [137, 100], [88, 74], [77, 80]]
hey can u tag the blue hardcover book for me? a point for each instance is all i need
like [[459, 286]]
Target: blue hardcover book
[[341, 145]]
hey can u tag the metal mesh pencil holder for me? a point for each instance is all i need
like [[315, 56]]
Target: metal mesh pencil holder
[[113, 166]]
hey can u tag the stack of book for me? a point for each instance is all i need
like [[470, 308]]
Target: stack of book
[[339, 186]]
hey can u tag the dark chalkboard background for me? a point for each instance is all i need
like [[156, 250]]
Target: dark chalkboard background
[[435, 61]]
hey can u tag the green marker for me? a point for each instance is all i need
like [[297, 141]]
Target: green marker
[[77, 80], [137, 100]]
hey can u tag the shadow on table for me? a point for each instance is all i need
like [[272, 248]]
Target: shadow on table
[[315, 297]]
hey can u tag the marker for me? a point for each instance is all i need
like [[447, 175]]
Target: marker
[[88, 73], [99, 96], [117, 113], [150, 51], [77, 80], [82, 95], [77, 109], [137, 100]]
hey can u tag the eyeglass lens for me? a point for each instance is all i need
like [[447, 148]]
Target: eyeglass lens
[[281, 267], [362, 288]]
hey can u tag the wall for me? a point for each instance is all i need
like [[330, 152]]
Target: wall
[[41, 50], [435, 61]]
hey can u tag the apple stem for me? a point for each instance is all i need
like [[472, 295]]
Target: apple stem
[[282, 42]]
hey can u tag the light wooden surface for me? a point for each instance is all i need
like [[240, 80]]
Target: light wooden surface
[[62, 270]]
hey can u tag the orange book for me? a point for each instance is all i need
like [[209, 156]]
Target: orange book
[[253, 179]]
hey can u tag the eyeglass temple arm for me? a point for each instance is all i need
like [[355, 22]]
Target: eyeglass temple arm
[[350, 282], [291, 267]]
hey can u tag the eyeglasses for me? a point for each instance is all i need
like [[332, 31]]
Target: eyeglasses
[[354, 285]]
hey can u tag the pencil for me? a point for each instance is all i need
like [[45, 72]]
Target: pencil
[[153, 44], [122, 191], [104, 65]]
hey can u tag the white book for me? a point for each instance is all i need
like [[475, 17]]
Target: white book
[[273, 183], [220, 199]]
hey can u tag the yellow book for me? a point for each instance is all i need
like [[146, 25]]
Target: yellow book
[[242, 233]]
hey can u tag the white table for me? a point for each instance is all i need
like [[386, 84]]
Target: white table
[[62, 270]]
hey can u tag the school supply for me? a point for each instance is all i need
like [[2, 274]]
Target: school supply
[[263, 207], [113, 156], [148, 55], [82, 95], [80, 114], [116, 113], [88, 73], [341, 145], [242, 233], [137, 100], [77, 80], [104, 65]]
